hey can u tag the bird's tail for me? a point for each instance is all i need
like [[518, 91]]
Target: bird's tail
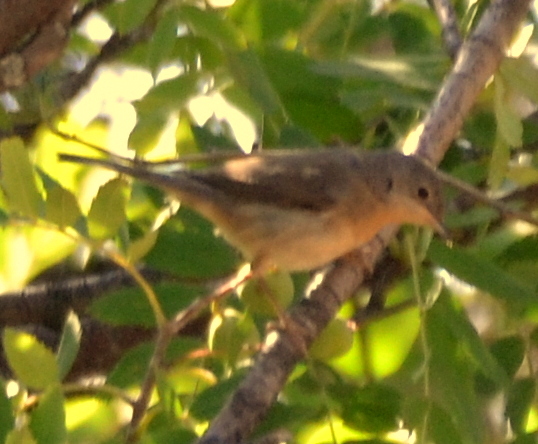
[[168, 177]]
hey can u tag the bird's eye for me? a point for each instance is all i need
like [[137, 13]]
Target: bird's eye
[[389, 184], [423, 193]]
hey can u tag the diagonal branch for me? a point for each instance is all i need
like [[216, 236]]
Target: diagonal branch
[[478, 60], [447, 18]]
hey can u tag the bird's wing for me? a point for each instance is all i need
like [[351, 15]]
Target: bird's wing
[[303, 181]]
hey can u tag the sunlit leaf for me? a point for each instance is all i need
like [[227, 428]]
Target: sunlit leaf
[[148, 131], [522, 75], [141, 246], [129, 14], [18, 179], [170, 95], [62, 207], [265, 20], [162, 40], [210, 24], [33, 363]]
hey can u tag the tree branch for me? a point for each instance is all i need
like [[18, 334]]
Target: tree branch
[[447, 18], [477, 61]]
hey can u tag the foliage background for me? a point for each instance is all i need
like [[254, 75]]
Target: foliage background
[[453, 357]]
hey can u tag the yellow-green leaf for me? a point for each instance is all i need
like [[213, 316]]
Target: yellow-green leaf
[[69, 344], [62, 207], [47, 420], [31, 361], [21, 436], [522, 75], [508, 122], [18, 179], [107, 212]]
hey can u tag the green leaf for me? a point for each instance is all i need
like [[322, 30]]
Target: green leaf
[[471, 218], [498, 165], [132, 367], [129, 306], [21, 435], [521, 74], [162, 40], [62, 207], [481, 273], [4, 217], [209, 402], [47, 420], [147, 131], [168, 433], [460, 326], [263, 21], [18, 179], [7, 418], [212, 25], [411, 72], [508, 122], [520, 402], [373, 408], [249, 73], [107, 212], [231, 335], [129, 14], [525, 249], [438, 429], [141, 246], [32, 362], [509, 353], [170, 95], [69, 344], [528, 438], [450, 375], [187, 245]]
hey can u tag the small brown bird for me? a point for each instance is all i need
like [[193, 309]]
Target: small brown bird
[[297, 210]]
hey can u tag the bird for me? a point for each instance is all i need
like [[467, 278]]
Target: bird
[[297, 210]]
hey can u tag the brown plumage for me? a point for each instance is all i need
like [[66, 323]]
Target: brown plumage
[[298, 210]]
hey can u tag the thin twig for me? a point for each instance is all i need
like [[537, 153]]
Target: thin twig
[[447, 18], [166, 333], [498, 204]]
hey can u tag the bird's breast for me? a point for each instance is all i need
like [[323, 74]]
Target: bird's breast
[[296, 240]]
